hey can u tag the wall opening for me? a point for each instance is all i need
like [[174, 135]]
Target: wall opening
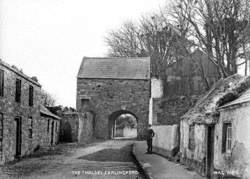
[[67, 133], [122, 125], [1, 136]]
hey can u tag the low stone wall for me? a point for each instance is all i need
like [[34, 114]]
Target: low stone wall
[[166, 140]]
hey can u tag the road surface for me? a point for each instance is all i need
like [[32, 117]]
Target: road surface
[[101, 160]]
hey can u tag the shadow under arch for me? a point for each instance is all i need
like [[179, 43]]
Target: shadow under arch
[[111, 121]]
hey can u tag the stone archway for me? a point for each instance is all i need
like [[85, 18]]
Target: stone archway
[[112, 128], [106, 85]]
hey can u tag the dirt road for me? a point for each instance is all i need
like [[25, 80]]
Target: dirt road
[[100, 160]]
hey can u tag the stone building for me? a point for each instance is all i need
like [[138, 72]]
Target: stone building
[[69, 123], [231, 144], [20, 122], [48, 133], [185, 81], [213, 134], [109, 87]]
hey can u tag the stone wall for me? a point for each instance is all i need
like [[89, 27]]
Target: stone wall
[[43, 133], [107, 96], [86, 127], [170, 109], [194, 158], [167, 146], [69, 126], [11, 109]]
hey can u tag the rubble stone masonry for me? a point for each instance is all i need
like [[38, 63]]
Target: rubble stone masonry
[[107, 96], [32, 125]]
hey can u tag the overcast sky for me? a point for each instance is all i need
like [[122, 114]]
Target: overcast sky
[[48, 38]]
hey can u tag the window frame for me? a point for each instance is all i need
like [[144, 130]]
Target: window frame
[[85, 102], [48, 125], [31, 95], [1, 126], [30, 124], [227, 137], [191, 138], [1, 83], [1, 134], [18, 93]]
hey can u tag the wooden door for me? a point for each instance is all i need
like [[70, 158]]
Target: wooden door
[[52, 133], [18, 136], [210, 151]]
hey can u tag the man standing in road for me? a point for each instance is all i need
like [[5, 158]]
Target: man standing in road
[[150, 135]]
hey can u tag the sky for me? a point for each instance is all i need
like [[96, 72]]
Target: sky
[[49, 38]]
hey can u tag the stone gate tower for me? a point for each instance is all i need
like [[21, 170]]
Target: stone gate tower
[[109, 87]]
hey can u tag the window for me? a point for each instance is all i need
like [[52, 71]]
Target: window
[[227, 137], [1, 82], [30, 124], [48, 126], [18, 90], [31, 95], [1, 136], [84, 103], [191, 143]]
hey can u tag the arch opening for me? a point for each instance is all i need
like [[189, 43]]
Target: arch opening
[[123, 125]]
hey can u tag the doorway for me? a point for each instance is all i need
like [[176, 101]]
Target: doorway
[[210, 151], [122, 125], [18, 137], [52, 133]]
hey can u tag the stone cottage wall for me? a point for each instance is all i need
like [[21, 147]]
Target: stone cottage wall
[[236, 162], [194, 158], [11, 109], [43, 133], [110, 95]]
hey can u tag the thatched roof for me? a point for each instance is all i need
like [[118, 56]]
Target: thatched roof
[[244, 98], [223, 92]]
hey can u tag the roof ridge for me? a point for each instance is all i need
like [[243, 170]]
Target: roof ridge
[[85, 57], [20, 73], [115, 68]]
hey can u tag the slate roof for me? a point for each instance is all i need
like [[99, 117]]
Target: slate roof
[[244, 98], [115, 68], [46, 112], [18, 72]]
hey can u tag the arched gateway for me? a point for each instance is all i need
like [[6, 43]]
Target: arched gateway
[[114, 86], [121, 123]]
